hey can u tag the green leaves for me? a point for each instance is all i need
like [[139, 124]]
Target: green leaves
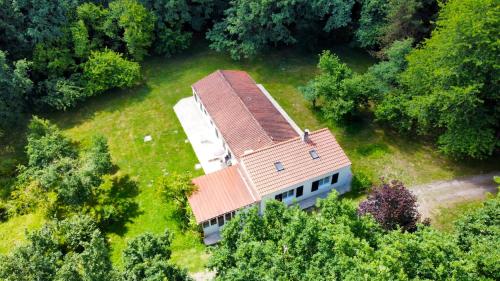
[[249, 27], [452, 83], [107, 70]]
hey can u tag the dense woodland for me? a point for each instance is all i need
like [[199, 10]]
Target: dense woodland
[[437, 78]]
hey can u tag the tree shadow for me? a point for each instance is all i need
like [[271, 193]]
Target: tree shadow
[[123, 192], [110, 101]]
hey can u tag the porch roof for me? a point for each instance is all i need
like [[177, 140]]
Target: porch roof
[[220, 192]]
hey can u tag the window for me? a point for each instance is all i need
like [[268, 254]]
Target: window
[[279, 166], [335, 178], [279, 197], [213, 221], [206, 224], [216, 133], [314, 154], [228, 217], [288, 194], [324, 181], [314, 186], [300, 191], [221, 220], [195, 97], [284, 195]]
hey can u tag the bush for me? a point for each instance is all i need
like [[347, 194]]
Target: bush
[[107, 70], [360, 182], [392, 205]]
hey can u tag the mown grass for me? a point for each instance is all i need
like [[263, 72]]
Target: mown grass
[[444, 218], [126, 116]]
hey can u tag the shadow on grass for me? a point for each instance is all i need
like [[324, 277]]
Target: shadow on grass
[[111, 101], [122, 191]]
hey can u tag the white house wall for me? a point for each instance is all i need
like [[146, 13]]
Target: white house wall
[[342, 186]]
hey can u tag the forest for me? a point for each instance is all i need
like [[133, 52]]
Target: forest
[[436, 78]]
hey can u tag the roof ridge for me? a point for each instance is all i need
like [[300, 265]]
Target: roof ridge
[[243, 103], [287, 141]]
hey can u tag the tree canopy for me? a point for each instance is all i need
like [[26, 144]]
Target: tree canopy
[[337, 244]]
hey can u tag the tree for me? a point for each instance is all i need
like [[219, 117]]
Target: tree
[[178, 188], [130, 18], [450, 87], [339, 91], [392, 205], [333, 243], [171, 18], [251, 26], [384, 21], [62, 93], [72, 249], [107, 70], [14, 39], [80, 180], [408, 19], [371, 22], [46, 144], [15, 85], [477, 233], [147, 257]]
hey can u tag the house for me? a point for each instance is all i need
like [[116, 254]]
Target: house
[[260, 153]]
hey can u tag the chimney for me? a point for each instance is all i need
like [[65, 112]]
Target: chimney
[[305, 136]]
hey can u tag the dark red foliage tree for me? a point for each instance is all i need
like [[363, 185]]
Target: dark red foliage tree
[[392, 205]]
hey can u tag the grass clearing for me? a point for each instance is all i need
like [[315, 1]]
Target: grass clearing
[[126, 116], [445, 217]]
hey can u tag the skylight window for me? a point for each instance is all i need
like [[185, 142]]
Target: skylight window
[[314, 154], [279, 166]]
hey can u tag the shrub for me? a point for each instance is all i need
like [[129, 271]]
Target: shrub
[[392, 205], [360, 182], [107, 70]]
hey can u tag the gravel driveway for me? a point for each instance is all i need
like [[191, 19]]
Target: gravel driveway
[[440, 194]]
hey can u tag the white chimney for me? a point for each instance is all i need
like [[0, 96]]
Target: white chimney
[[305, 136]]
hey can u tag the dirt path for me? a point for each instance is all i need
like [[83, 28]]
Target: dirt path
[[446, 193]]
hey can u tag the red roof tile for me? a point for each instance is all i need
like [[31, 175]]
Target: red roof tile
[[219, 193], [298, 164], [243, 114]]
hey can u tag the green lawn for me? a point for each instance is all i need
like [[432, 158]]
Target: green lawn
[[125, 117], [444, 218]]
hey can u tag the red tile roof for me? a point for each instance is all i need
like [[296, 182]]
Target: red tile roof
[[219, 193], [244, 115], [298, 164]]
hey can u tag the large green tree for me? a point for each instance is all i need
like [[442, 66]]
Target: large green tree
[[251, 26], [335, 243], [71, 249], [135, 22], [451, 85], [147, 258], [172, 17], [384, 21], [15, 85]]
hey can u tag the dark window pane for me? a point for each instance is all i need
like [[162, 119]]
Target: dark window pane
[[213, 221], [300, 191], [221, 220], [228, 217], [335, 178], [279, 197], [206, 224], [315, 186]]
